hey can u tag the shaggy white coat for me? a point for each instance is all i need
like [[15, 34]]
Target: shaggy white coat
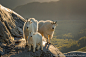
[[32, 25], [35, 39], [46, 29]]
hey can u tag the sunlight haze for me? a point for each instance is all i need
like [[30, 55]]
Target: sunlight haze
[[14, 3]]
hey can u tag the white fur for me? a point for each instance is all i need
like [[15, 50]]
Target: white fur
[[35, 23], [45, 28], [26, 30], [36, 39]]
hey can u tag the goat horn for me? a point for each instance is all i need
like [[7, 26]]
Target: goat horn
[[53, 21], [26, 18], [56, 22]]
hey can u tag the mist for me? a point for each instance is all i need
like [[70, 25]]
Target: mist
[[14, 3]]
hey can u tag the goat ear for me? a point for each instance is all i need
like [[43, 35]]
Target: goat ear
[[31, 22], [55, 22], [26, 20]]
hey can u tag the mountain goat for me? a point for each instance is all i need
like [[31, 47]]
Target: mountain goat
[[46, 29], [35, 39], [31, 25]]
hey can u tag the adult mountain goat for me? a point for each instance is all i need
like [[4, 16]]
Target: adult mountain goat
[[31, 25], [47, 28]]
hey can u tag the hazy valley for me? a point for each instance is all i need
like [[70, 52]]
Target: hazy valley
[[70, 35]]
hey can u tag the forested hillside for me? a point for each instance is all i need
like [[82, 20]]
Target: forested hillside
[[70, 35]]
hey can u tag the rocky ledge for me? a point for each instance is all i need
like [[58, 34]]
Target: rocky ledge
[[12, 44]]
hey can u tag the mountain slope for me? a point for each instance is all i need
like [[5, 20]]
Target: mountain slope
[[12, 43], [71, 45], [82, 49], [9, 26], [63, 9]]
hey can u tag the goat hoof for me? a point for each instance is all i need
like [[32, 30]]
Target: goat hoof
[[33, 51], [36, 49], [49, 43], [41, 50], [28, 50], [26, 45]]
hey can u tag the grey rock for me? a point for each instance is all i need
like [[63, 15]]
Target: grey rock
[[2, 51], [11, 24], [13, 44]]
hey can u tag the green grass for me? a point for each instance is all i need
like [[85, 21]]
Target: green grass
[[82, 49], [62, 42]]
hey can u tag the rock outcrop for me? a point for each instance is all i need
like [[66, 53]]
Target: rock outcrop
[[10, 24], [12, 44]]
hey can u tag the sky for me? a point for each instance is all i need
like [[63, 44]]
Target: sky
[[14, 3]]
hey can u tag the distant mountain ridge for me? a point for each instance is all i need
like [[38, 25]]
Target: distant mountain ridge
[[61, 10], [14, 3]]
